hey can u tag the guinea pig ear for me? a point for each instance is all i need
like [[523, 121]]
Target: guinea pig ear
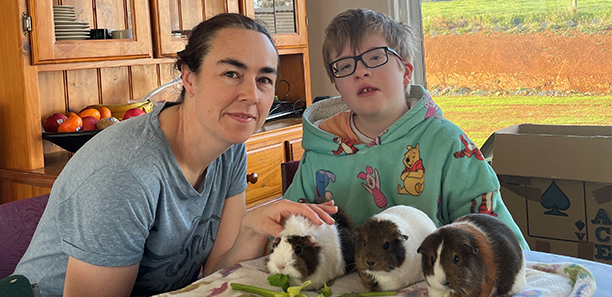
[[404, 237], [474, 250], [311, 239]]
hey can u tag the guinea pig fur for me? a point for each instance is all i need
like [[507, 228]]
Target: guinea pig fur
[[305, 251], [477, 255], [386, 248]]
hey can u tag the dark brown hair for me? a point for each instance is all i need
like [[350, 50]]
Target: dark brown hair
[[200, 39]]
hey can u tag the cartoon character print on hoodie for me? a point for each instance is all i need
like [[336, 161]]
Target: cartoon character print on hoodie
[[372, 185], [439, 175]]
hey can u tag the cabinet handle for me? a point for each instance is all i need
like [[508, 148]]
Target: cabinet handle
[[252, 177]]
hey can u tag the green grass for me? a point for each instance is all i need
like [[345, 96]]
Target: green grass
[[479, 116], [516, 16]]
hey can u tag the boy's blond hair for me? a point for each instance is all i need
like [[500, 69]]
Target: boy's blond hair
[[354, 24]]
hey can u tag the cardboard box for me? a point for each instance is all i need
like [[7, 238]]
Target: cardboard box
[[557, 184]]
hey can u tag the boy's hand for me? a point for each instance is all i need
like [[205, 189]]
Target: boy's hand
[[267, 220]]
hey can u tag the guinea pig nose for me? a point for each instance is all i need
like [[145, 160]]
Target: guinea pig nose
[[281, 267], [370, 263]]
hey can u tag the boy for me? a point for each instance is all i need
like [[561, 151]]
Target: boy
[[384, 142]]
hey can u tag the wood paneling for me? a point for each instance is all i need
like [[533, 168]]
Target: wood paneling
[[213, 8], [110, 14], [191, 11], [115, 85], [144, 80], [82, 88], [167, 72], [292, 70], [52, 100]]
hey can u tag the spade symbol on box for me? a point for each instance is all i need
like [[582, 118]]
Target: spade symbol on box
[[555, 200], [579, 225], [580, 235]]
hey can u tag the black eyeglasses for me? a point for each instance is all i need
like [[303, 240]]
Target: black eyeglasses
[[373, 58]]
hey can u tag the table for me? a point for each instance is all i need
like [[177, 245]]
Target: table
[[547, 275]]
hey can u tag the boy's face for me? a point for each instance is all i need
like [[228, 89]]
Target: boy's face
[[374, 92]]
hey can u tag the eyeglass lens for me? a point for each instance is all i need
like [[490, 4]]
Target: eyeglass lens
[[373, 58]]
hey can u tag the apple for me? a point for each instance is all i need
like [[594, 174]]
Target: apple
[[134, 112], [107, 122], [53, 122], [89, 123]]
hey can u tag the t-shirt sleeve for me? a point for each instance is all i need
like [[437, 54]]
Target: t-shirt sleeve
[[238, 169], [106, 221]]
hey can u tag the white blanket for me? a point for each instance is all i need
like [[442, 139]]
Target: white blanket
[[543, 280]]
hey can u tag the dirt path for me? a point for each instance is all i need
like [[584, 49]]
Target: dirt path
[[500, 61]]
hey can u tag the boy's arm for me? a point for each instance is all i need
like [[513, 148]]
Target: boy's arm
[[470, 185]]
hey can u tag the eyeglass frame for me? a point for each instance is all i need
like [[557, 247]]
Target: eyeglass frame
[[358, 58]]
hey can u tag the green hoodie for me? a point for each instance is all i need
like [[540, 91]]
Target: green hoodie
[[422, 160]]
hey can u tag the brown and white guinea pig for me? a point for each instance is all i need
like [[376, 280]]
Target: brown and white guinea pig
[[386, 245], [477, 255], [305, 251]]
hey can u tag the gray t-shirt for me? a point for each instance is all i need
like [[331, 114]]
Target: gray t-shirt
[[121, 199]]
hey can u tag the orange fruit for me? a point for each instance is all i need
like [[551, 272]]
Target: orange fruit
[[72, 124], [70, 113], [90, 112], [104, 112]]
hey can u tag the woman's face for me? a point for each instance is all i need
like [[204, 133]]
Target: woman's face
[[234, 89]]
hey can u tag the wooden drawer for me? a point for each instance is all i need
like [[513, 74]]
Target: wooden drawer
[[265, 162]]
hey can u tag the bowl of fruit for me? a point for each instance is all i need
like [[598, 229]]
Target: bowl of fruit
[[71, 131]]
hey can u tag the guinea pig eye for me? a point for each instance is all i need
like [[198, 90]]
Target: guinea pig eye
[[386, 246], [433, 260], [298, 249], [456, 260]]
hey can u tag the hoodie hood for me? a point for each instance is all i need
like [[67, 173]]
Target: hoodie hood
[[323, 142]]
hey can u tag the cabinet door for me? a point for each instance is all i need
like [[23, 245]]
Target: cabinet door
[[284, 19], [98, 14], [174, 19]]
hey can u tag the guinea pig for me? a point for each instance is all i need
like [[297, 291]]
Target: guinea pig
[[386, 245], [477, 255], [305, 251]]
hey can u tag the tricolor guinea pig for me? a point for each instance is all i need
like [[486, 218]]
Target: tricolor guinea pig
[[477, 255], [305, 251], [386, 246]]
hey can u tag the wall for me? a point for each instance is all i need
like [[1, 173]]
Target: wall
[[320, 13]]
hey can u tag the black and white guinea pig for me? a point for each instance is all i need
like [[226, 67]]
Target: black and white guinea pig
[[305, 251], [477, 255], [386, 245]]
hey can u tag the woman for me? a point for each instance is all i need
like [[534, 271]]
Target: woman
[[147, 204]]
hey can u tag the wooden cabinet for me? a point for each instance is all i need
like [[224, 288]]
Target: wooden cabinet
[[291, 14], [173, 19], [109, 14], [49, 76]]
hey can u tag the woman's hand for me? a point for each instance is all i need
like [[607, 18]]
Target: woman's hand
[[267, 220]]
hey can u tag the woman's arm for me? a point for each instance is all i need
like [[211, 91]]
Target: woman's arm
[[84, 279], [242, 234]]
